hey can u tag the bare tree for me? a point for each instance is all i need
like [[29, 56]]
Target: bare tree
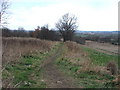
[[67, 26], [3, 12]]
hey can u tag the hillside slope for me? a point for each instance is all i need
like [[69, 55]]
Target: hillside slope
[[47, 64]]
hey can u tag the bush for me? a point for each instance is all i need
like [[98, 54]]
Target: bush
[[79, 40], [112, 67], [15, 33], [47, 34], [6, 32]]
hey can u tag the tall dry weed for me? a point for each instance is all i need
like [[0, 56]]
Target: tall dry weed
[[14, 48], [74, 51], [112, 67], [77, 56], [73, 46]]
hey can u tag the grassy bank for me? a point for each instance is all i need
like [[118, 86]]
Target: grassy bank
[[14, 48], [22, 72], [99, 58], [86, 79], [86, 66], [26, 71]]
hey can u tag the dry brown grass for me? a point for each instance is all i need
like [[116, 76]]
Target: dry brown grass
[[116, 81], [73, 46], [75, 52], [88, 66], [14, 48], [112, 67]]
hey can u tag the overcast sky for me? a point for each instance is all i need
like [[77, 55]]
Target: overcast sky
[[93, 15]]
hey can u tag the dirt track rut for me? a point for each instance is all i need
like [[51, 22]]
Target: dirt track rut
[[53, 76]]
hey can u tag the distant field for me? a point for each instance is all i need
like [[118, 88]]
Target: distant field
[[103, 47]]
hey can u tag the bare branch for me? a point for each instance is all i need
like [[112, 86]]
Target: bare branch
[[3, 12], [67, 26]]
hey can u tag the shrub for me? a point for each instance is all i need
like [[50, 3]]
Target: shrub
[[79, 40], [112, 67]]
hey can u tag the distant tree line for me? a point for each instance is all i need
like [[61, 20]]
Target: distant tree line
[[66, 27], [43, 33], [46, 34], [15, 33]]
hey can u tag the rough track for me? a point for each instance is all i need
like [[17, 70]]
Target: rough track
[[53, 76]]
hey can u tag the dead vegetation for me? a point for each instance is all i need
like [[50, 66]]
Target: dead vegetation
[[116, 81], [14, 48], [77, 56], [78, 61], [73, 46], [112, 67]]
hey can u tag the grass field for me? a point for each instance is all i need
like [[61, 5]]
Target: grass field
[[89, 73], [26, 72], [60, 61], [100, 58], [22, 59]]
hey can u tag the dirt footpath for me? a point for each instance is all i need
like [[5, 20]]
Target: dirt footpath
[[103, 47], [53, 77]]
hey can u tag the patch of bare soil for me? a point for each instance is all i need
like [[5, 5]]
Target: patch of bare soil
[[103, 47], [53, 77]]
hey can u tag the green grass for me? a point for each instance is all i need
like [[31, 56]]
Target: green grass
[[23, 69], [84, 79], [27, 71], [88, 79], [100, 58], [66, 64]]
